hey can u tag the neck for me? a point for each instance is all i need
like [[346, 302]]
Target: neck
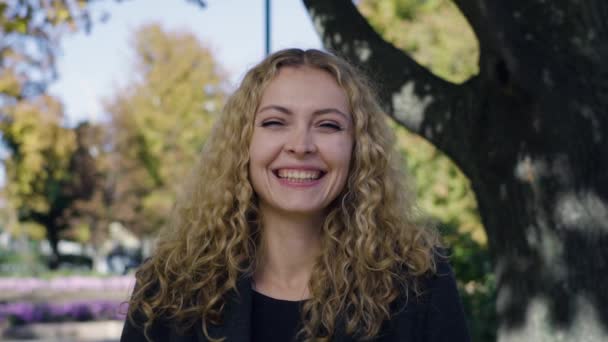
[[289, 248]]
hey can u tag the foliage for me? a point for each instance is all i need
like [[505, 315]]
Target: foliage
[[159, 122], [26, 261], [437, 36], [54, 181], [69, 181], [37, 170], [30, 31], [420, 28], [90, 187], [39, 148], [41, 151], [57, 180], [433, 32], [477, 283], [444, 193]]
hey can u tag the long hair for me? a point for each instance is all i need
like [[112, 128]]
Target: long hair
[[372, 251]]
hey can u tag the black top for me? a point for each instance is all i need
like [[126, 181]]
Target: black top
[[274, 319], [436, 315]]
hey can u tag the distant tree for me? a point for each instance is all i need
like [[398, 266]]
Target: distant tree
[[159, 122], [529, 131], [40, 165], [57, 178], [91, 185], [40, 150], [37, 167], [31, 32]]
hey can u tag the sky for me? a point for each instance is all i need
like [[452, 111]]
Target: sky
[[92, 66]]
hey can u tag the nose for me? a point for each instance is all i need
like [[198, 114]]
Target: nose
[[301, 141]]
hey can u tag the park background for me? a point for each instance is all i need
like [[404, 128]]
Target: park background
[[105, 105]]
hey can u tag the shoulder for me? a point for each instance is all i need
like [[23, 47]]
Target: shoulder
[[445, 318], [435, 314], [442, 280], [133, 329], [160, 330]]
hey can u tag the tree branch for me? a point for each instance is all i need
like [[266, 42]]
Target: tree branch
[[418, 100]]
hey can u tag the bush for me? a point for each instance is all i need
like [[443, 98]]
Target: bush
[[476, 281]]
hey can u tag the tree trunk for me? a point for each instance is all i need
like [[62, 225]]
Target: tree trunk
[[50, 222], [530, 131], [53, 237]]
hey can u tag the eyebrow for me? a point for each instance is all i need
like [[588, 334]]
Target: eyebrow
[[316, 112]]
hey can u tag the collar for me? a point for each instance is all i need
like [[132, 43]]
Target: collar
[[236, 322]]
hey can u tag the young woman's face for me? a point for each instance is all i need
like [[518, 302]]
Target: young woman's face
[[302, 142]]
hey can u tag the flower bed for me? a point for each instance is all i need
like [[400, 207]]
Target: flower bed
[[26, 312], [67, 284], [62, 299]]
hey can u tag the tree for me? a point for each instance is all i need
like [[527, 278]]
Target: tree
[[444, 194], [37, 169], [159, 123], [421, 29], [45, 161], [529, 132], [437, 36], [90, 186], [39, 148], [30, 32]]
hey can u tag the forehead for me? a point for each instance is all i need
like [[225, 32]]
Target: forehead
[[305, 87]]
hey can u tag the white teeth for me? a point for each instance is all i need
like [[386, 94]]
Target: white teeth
[[299, 175]]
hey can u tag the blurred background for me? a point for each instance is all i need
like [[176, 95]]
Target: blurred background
[[104, 106]]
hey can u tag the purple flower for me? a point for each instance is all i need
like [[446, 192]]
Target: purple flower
[[82, 310], [67, 284]]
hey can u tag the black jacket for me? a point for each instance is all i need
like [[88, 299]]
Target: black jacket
[[435, 316]]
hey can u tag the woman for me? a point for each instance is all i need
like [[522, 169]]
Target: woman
[[297, 225]]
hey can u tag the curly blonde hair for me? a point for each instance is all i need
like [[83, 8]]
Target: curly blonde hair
[[372, 251]]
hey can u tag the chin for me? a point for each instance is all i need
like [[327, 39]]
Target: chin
[[301, 210]]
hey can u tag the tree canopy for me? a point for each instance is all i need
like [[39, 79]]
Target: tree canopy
[[70, 182], [159, 122]]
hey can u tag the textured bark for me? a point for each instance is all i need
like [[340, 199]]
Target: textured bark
[[530, 131]]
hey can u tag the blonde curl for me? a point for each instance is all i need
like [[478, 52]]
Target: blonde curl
[[372, 251]]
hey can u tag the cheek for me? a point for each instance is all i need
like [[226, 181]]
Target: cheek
[[257, 161], [262, 150], [341, 154], [256, 149]]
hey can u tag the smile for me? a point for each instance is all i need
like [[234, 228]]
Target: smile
[[299, 176]]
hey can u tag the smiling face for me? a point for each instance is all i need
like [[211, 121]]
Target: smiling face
[[302, 142]]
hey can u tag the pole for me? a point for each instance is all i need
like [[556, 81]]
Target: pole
[[267, 27]]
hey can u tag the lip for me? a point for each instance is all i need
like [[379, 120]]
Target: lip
[[292, 184], [299, 168], [275, 170]]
